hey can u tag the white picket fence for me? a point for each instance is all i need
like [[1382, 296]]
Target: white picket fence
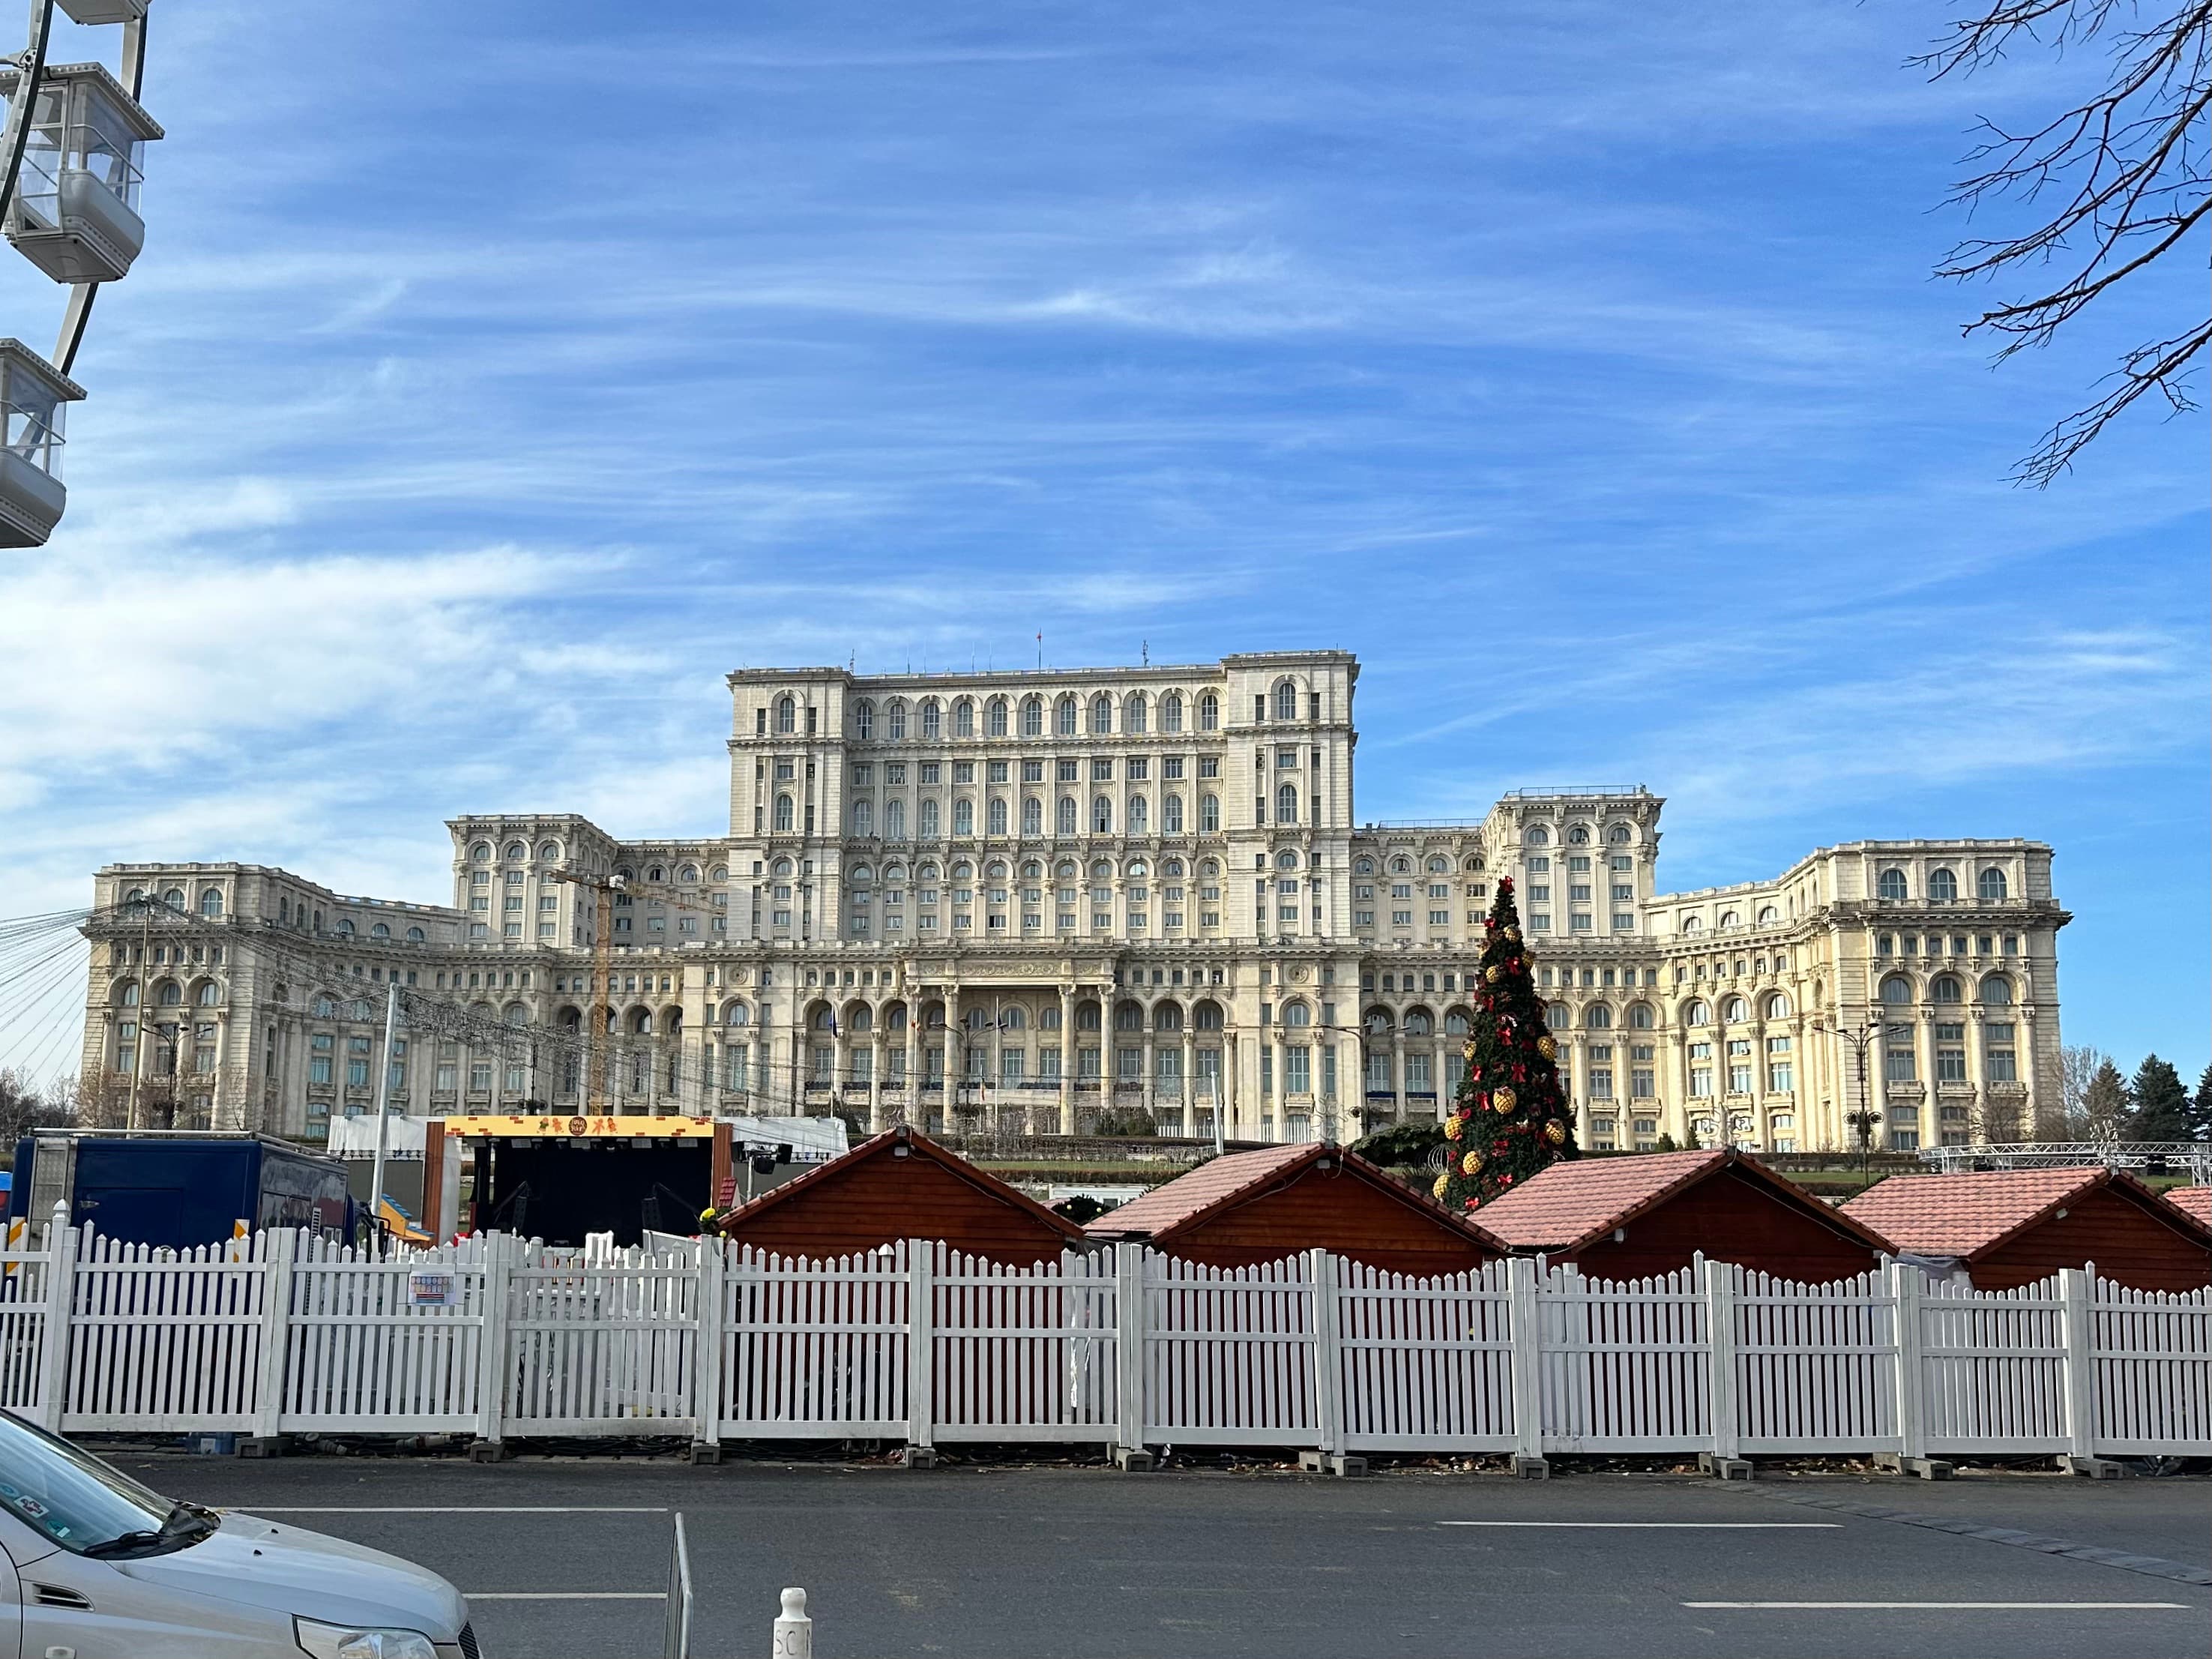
[[283, 1333]]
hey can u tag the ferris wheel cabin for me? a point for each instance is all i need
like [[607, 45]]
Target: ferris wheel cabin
[[32, 393], [74, 214]]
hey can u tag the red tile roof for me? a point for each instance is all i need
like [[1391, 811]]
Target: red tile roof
[[2193, 1202], [1577, 1202], [1235, 1177], [1965, 1214]]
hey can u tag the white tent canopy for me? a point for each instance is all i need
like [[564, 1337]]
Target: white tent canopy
[[812, 1139]]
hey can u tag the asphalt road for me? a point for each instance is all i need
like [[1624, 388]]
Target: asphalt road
[[566, 1560]]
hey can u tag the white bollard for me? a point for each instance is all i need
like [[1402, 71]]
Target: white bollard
[[794, 1630]]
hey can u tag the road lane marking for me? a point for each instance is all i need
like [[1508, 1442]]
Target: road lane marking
[[565, 1596], [1669, 1526], [1979, 1607], [455, 1508]]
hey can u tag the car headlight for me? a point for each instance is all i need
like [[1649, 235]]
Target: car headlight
[[323, 1641]]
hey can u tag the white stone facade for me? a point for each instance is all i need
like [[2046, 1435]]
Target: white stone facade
[[1085, 893]]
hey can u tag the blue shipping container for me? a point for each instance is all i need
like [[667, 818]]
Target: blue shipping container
[[177, 1189]]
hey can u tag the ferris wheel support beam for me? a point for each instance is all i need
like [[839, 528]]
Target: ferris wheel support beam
[[33, 63]]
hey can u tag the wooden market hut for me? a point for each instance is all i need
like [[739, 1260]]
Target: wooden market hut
[[1262, 1205], [901, 1185], [1644, 1213], [2013, 1227]]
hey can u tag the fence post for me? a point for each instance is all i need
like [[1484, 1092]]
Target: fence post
[[61, 1301], [707, 1390], [494, 1365], [2077, 1292], [277, 1252], [920, 1353], [1326, 1271], [1720, 1353], [1906, 1287], [1526, 1327], [1128, 1450]]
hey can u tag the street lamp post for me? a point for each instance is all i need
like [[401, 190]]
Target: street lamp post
[[1863, 1119]]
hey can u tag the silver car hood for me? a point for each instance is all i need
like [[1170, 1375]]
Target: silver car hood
[[288, 1570]]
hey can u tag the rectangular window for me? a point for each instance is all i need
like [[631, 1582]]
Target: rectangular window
[[1641, 1084], [1600, 1083], [1998, 1065], [1739, 1079], [1048, 1065], [1420, 1077], [1701, 1082], [1539, 923], [1578, 922], [319, 1068], [1781, 1078], [1950, 1064], [480, 1077], [1086, 1065], [1298, 1070], [1012, 1066], [1129, 1065], [1898, 1064]]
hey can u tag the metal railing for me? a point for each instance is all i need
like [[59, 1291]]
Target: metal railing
[[2194, 1156]]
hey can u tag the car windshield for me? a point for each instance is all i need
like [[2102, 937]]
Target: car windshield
[[71, 1496]]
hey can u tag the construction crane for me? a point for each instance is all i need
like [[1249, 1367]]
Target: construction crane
[[607, 887]]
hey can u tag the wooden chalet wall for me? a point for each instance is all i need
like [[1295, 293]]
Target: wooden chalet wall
[[2129, 1242], [1325, 1209], [1729, 1217], [860, 1202]]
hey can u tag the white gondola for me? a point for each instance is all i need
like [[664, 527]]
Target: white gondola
[[74, 214], [104, 11], [32, 393]]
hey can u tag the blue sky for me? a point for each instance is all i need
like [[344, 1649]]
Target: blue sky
[[496, 376]]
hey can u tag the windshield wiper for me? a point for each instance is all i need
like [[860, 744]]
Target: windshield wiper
[[187, 1524]]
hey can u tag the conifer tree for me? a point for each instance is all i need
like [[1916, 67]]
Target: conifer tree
[[1511, 1118]]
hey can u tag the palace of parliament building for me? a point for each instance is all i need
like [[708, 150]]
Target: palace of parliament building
[[1062, 901]]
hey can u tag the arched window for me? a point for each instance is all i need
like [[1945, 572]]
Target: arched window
[[1286, 804], [1640, 1017], [1064, 716], [1286, 700], [994, 821], [1729, 919], [1168, 1017], [787, 715], [1067, 823], [825, 1019], [126, 993], [932, 818], [933, 721], [1128, 1017], [1474, 865], [1032, 816], [1102, 715], [1171, 814], [1102, 817], [1947, 989], [380, 931], [1440, 866], [345, 927], [1579, 835], [324, 1006], [1378, 1021], [1364, 866], [895, 719], [862, 1019], [1777, 1006], [1539, 836], [1942, 887], [737, 1014], [1558, 1017], [656, 875], [1598, 1017], [211, 902], [1171, 712], [963, 718], [1619, 835], [1736, 1010], [1399, 866], [207, 994], [895, 820], [783, 818], [1768, 915], [1032, 716], [1990, 885], [1890, 885], [481, 853], [1693, 924], [1132, 712], [1209, 814], [1418, 1022], [1209, 712], [1206, 1016], [1996, 991], [1287, 859], [1697, 1014], [963, 818], [174, 898], [1896, 990], [1298, 1014], [1457, 1024], [864, 720], [994, 718], [782, 868], [172, 994], [1140, 816], [864, 818]]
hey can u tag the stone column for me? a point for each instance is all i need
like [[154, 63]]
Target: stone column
[[1439, 1078], [1144, 1090], [217, 1102], [1190, 1080], [955, 1054], [1066, 1059], [913, 1036], [878, 1047], [1397, 1074]]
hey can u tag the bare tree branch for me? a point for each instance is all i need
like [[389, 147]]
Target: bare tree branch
[[2126, 171]]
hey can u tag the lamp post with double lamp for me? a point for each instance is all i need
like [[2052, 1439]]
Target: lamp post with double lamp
[[1864, 1119]]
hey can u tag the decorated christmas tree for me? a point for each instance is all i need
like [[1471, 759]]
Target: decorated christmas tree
[[1511, 1118]]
